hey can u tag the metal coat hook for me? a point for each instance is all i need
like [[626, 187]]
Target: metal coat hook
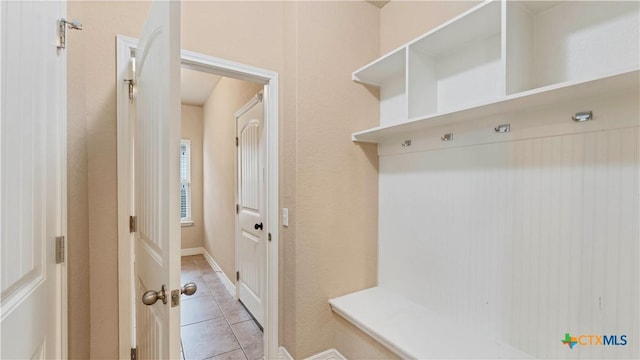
[[447, 137], [583, 116], [504, 128]]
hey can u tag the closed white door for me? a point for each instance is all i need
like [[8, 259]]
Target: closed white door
[[32, 188], [250, 241], [156, 189]]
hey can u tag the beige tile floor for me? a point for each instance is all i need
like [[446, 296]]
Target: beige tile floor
[[214, 325]]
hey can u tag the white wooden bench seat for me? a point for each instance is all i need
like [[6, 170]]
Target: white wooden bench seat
[[413, 332]]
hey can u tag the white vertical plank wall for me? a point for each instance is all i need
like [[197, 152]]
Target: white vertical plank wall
[[522, 240]]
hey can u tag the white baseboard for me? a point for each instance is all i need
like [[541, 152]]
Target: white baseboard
[[283, 354], [331, 354], [192, 251], [228, 284]]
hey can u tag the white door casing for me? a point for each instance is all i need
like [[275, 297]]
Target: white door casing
[[250, 233], [32, 181], [221, 67], [156, 184]]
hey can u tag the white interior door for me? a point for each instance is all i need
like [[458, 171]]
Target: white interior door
[[32, 191], [251, 245], [156, 189]]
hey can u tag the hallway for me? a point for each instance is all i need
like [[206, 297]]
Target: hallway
[[214, 325]]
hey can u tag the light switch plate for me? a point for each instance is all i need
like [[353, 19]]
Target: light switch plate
[[285, 217]]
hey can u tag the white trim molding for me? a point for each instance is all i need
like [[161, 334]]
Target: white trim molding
[[331, 354], [192, 251], [283, 354], [228, 284], [62, 339], [126, 316], [209, 64]]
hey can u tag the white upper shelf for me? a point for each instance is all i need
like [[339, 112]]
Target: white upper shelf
[[622, 82], [376, 72], [503, 56], [484, 19]]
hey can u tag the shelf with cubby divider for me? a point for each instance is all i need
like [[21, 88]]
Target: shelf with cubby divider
[[452, 67], [382, 69], [388, 73], [623, 82], [501, 57]]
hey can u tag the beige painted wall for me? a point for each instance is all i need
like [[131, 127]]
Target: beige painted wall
[[192, 126], [92, 175], [328, 183], [402, 21], [78, 275], [219, 132], [336, 179], [287, 291]]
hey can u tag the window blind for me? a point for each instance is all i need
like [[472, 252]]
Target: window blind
[[185, 180]]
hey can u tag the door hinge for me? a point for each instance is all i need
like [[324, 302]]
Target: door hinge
[[133, 224], [237, 141], [63, 24], [131, 81], [237, 208], [134, 353], [237, 275], [260, 97], [132, 88], [59, 249], [269, 236]]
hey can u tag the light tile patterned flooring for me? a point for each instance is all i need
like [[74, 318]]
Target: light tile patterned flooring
[[214, 325]]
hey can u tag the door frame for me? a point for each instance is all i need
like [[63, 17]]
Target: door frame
[[222, 67]]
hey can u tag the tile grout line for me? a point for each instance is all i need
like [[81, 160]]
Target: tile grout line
[[238, 340], [199, 321], [207, 266], [232, 331], [227, 353], [213, 296]]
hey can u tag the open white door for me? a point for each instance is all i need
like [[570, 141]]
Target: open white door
[[32, 179], [156, 189], [251, 244]]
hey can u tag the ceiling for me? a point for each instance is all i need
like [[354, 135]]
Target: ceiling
[[196, 86]]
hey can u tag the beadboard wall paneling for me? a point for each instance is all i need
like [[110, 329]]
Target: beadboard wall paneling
[[523, 240]]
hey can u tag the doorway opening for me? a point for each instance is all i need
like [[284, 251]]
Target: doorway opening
[[222, 204], [267, 87]]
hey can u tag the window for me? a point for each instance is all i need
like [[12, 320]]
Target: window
[[185, 182]]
